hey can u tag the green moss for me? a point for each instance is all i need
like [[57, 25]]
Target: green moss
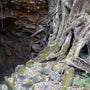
[[27, 84], [29, 63], [63, 51], [42, 77], [21, 70], [45, 50], [53, 47], [33, 87], [13, 80], [57, 48], [41, 57], [44, 53], [88, 6], [68, 77], [43, 65], [9, 83]]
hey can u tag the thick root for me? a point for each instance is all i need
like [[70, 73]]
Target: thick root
[[65, 46]]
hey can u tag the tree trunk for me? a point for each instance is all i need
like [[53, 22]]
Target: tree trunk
[[69, 30]]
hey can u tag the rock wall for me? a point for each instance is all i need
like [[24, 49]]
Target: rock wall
[[20, 22]]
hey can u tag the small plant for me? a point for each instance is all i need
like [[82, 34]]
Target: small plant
[[87, 77], [79, 82], [82, 82]]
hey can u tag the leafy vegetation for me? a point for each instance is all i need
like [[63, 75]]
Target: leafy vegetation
[[82, 82]]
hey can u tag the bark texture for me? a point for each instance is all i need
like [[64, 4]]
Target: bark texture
[[69, 30]]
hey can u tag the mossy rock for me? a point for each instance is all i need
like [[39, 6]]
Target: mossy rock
[[21, 70], [29, 63], [42, 77], [88, 7], [27, 84], [11, 85]]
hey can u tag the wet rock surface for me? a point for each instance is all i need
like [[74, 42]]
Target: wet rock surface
[[19, 20]]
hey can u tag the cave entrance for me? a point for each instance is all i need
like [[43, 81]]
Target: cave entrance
[[13, 50], [18, 22], [17, 46]]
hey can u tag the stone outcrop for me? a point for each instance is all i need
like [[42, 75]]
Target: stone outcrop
[[19, 19]]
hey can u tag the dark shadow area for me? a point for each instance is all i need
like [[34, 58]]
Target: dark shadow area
[[17, 46], [84, 52]]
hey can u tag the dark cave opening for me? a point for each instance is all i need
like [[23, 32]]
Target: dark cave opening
[[18, 21], [84, 52], [17, 46], [9, 47]]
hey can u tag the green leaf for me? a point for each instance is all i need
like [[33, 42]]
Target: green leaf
[[77, 81], [85, 74]]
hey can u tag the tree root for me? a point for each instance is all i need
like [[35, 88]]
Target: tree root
[[79, 63]]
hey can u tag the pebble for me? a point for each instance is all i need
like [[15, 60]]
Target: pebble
[[53, 76], [36, 79], [45, 71]]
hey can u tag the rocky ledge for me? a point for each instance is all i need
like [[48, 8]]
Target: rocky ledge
[[43, 76]]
